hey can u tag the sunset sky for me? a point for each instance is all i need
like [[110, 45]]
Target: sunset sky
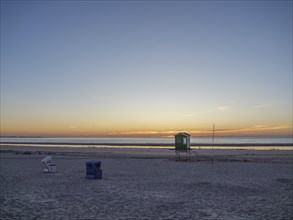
[[148, 68]]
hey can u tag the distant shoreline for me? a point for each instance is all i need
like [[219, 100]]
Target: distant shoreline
[[155, 144]]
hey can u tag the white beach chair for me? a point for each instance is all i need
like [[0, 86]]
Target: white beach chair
[[50, 167]]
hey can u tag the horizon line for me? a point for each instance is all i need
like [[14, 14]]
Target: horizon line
[[147, 136]]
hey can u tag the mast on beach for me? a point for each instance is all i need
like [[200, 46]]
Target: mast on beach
[[213, 139]]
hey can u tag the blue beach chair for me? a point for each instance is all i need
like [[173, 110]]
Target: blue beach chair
[[93, 169]]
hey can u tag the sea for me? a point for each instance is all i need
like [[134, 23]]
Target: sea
[[205, 142]]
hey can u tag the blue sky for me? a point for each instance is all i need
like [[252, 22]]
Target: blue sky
[[97, 68]]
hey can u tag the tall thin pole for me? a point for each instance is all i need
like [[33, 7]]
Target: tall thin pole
[[213, 139]]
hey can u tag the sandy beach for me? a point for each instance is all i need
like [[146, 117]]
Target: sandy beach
[[146, 184]]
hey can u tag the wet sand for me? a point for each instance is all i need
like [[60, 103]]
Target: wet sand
[[146, 184]]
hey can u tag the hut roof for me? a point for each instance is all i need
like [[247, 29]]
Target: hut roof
[[182, 133]]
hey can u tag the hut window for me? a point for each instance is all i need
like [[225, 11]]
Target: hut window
[[184, 141]]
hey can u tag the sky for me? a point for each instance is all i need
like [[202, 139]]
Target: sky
[[146, 68]]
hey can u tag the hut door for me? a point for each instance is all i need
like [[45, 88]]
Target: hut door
[[184, 141]]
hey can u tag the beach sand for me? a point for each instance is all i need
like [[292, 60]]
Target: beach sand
[[146, 184]]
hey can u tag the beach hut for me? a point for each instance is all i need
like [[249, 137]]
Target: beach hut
[[93, 169], [182, 145]]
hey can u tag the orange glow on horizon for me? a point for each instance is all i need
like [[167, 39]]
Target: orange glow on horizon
[[75, 131]]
